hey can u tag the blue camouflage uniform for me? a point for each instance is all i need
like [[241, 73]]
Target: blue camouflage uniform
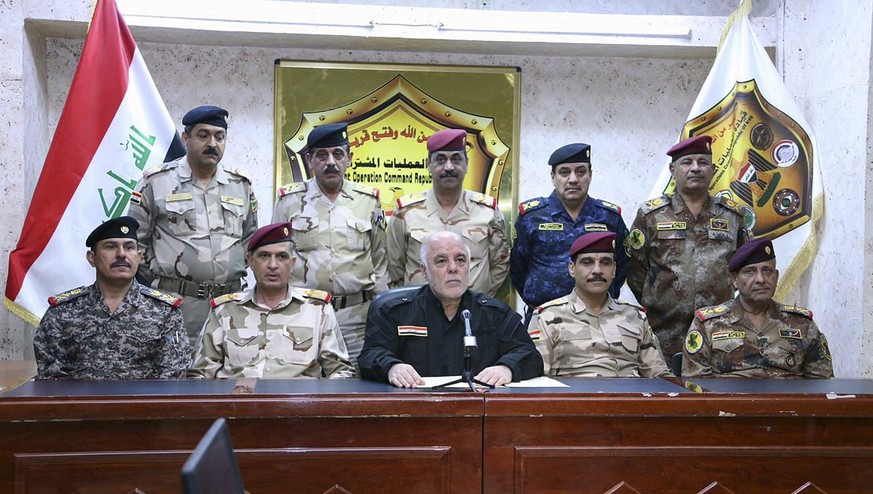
[[544, 233]]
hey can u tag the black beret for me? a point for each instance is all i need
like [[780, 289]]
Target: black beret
[[571, 153], [328, 136], [211, 115], [121, 227], [758, 250]]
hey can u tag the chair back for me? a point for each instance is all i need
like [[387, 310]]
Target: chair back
[[212, 466]]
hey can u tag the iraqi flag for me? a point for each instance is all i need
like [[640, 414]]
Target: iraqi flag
[[113, 126], [763, 149]]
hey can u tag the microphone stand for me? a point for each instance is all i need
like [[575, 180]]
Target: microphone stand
[[470, 345]]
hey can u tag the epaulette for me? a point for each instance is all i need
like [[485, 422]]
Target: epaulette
[[67, 296], [317, 295], [793, 309], [713, 311], [653, 204], [530, 205], [239, 173], [551, 303], [731, 204], [159, 168], [292, 188], [610, 206], [161, 295], [484, 200], [641, 310], [410, 199], [364, 189], [227, 297]]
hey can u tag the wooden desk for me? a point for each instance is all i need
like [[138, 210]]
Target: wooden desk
[[289, 436], [740, 436], [306, 436]]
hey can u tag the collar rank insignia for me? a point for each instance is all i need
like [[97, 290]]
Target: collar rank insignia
[[791, 333], [420, 331]]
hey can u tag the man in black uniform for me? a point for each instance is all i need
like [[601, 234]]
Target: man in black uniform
[[422, 334]]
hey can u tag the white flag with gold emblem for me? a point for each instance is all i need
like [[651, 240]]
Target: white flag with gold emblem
[[763, 149]]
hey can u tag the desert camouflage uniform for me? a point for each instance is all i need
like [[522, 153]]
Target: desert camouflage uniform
[[194, 235], [475, 218], [144, 338], [297, 338], [576, 343], [341, 245], [679, 263], [722, 342]]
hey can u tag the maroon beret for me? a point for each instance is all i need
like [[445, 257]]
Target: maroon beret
[[447, 140], [694, 145], [758, 250], [594, 242], [270, 234]]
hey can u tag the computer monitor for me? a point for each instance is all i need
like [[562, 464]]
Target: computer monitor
[[212, 466]]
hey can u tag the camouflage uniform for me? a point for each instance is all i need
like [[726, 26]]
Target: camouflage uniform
[[722, 342], [194, 238], [617, 343], [144, 338], [341, 245], [475, 217], [679, 263], [297, 338], [544, 233]]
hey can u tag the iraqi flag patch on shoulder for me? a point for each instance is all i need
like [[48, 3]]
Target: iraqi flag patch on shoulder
[[412, 331]]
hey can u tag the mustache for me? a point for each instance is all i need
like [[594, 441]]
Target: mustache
[[211, 151], [120, 263], [597, 278], [331, 169], [449, 173]]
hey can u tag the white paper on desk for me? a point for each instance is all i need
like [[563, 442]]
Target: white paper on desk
[[537, 382]]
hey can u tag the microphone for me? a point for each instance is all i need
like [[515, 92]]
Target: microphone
[[469, 339]]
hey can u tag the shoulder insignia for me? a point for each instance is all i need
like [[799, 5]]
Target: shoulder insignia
[[653, 204], [709, 312], [731, 204], [292, 188], [317, 295], [159, 168], [67, 296], [364, 189], [239, 173], [693, 341], [410, 199], [484, 200], [530, 205], [635, 240], [611, 206], [640, 309], [161, 295], [227, 297], [793, 309], [136, 197], [551, 303]]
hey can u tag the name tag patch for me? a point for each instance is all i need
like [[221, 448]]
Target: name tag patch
[[236, 201], [184, 196], [671, 225], [552, 227], [728, 335], [595, 227], [420, 331]]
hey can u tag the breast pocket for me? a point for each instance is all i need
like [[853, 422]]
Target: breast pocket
[[629, 338], [233, 210], [181, 220], [359, 234], [575, 342], [305, 233], [242, 347], [727, 345], [295, 345]]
